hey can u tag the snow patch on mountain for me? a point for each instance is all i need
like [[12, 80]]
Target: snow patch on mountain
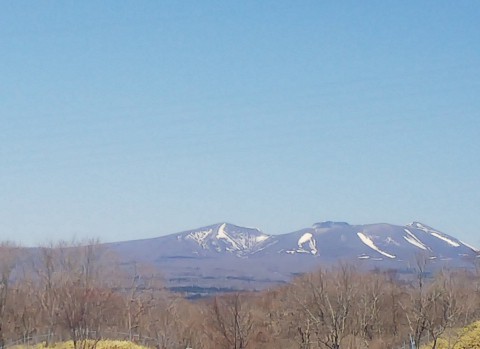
[[199, 236], [470, 246], [312, 243], [447, 240], [419, 226], [411, 238], [304, 238], [369, 242], [435, 233], [389, 240], [261, 238], [221, 234], [224, 237]]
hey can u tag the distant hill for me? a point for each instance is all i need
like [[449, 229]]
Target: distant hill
[[223, 255]]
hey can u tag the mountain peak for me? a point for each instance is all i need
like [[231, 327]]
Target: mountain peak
[[418, 225], [226, 237], [229, 226], [330, 224]]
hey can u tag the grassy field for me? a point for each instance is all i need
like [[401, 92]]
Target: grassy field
[[103, 344], [465, 338]]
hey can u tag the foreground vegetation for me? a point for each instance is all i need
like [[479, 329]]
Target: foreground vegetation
[[98, 344], [78, 294], [465, 338]]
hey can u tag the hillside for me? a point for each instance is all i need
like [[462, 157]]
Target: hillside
[[228, 256]]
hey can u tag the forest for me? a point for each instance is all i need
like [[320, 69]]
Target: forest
[[80, 292]]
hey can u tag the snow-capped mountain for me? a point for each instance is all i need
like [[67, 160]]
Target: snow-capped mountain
[[211, 241], [224, 254], [374, 241], [226, 238]]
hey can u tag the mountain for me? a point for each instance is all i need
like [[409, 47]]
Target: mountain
[[228, 256]]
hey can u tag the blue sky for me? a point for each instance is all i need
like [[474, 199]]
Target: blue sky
[[133, 119]]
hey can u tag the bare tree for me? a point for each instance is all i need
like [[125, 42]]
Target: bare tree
[[47, 269], [417, 304], [328, 300], [392, 319], [232, 320], [138, 285], [369, 304], [8, 259], [443, 307], [24, 308], [83, 293], [164, 321]]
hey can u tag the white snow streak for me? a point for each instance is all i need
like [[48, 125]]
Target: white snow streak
[[367, 241], [261, 238], [470, 246], [199, 236], [435, 233], [444, 238], [223, 235], [414, 240], [305, 237]]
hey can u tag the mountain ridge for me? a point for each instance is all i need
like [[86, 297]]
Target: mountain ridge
[[228, 255], [241, 241]]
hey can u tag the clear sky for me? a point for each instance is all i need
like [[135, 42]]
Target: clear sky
[[134, 119]]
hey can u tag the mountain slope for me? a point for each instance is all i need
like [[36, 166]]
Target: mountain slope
[[226, 255], [213, 240], [374, 241]]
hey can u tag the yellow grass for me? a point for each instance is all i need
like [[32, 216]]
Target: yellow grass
[[467, 338], [103, 344]]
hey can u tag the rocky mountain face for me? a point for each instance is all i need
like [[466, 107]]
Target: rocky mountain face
[[228, 256]]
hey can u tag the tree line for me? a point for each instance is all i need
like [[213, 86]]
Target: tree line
[[80, 291]]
